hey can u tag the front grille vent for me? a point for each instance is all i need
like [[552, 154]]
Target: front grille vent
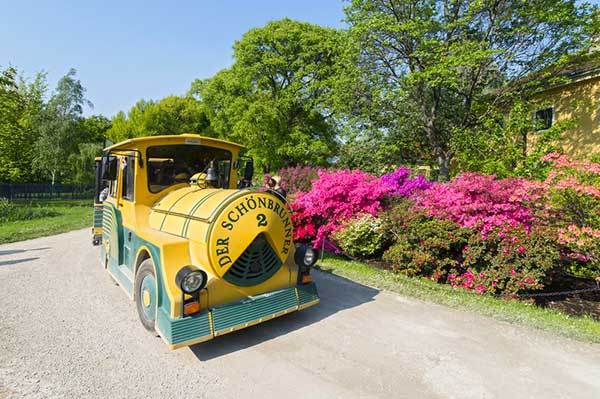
[[256, 264]]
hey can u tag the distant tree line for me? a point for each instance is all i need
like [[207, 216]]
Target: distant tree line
[[43, 139], [444, 83]]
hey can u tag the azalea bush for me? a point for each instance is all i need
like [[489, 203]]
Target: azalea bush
[[477, 232], [581, 250], [574, 190], [423, 245], [363, 236], [401, 183], [483, 201], [298, 178], [335, 198], [508, 260]]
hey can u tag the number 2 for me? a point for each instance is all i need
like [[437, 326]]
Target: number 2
[[262, 219]]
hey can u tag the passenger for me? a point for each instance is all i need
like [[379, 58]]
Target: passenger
[[275, 186]]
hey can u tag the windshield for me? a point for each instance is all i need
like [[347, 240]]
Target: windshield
[[175, 164]]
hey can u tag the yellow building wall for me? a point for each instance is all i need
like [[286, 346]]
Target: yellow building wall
[[579, 100]]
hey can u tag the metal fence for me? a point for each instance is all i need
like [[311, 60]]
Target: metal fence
[[17, 191]]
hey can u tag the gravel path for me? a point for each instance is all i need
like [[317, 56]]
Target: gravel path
[[68, 331]]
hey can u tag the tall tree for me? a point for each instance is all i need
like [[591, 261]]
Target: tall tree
[[431, 63], [21, 103], [171, 115], [59, 127], [274, 97]]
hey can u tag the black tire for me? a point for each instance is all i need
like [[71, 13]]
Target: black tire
[[146, 270]]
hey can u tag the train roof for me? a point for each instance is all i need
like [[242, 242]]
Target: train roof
[[177, 139]]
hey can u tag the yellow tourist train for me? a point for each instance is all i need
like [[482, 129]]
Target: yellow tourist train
[[199, 251]]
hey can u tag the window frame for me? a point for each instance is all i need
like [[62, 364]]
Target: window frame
[[552, 119], [202, 147], [127, 173]]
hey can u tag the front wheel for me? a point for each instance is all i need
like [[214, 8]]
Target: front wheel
[[145, 294]]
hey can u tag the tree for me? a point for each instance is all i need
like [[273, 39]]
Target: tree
[[59, 127], [432, 63], [274, 97], [171, 115], [20, 106], [93, 128]]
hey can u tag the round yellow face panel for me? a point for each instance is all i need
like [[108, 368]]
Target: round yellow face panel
[[242, 221]]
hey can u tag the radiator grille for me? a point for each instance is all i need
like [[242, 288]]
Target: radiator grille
[[256, 264]]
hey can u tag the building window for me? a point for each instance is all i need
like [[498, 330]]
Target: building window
[[544, 118]]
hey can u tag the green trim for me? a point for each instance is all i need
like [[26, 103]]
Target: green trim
[[186, 224], [176, 331], [307, 293], [234, 315], [253, 308], [173, 204]]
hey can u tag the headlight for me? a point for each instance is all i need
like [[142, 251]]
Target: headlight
[[310, 256], [305, 255], [190, 280]]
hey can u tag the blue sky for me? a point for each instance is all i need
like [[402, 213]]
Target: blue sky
[[127, 50]]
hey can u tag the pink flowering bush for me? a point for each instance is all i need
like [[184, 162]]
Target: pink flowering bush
[[482, 201], [508, 261], [401, 183], [574, 190], [298, 178], [424, 246], [581, 250], [336, 197]]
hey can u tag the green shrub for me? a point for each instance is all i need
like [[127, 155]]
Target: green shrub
[[11, 212], [508, 261], [365, 236], [6, 208], [423, 245]]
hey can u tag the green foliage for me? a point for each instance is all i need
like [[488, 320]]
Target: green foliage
[[423, 246], [20, 105], [364, 236], [378, 153], [274, 97], [171, 115], [10, 212], [58, 127], [431, 67]]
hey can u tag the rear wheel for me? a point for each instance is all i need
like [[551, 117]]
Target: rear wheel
[[145, 294]]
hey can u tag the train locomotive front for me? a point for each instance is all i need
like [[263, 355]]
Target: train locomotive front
[[199, 257]]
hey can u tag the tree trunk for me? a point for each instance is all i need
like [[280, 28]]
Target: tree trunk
[[443, 160]]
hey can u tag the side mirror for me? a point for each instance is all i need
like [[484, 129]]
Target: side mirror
[[249, 171], [109, 168]]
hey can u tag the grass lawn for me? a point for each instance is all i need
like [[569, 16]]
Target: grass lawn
[[68, 215], [580, 328]]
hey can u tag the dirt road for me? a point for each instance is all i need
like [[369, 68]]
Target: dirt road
[[66, 330]]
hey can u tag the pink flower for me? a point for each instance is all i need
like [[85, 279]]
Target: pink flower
[[480, 289], [512, 272], [521, 249]]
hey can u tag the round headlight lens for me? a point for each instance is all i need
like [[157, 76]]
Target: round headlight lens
[[310, 256], [190, 280]]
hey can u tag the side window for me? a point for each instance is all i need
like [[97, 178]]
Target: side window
[[544, 118], [128, 167], [112, 187]]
